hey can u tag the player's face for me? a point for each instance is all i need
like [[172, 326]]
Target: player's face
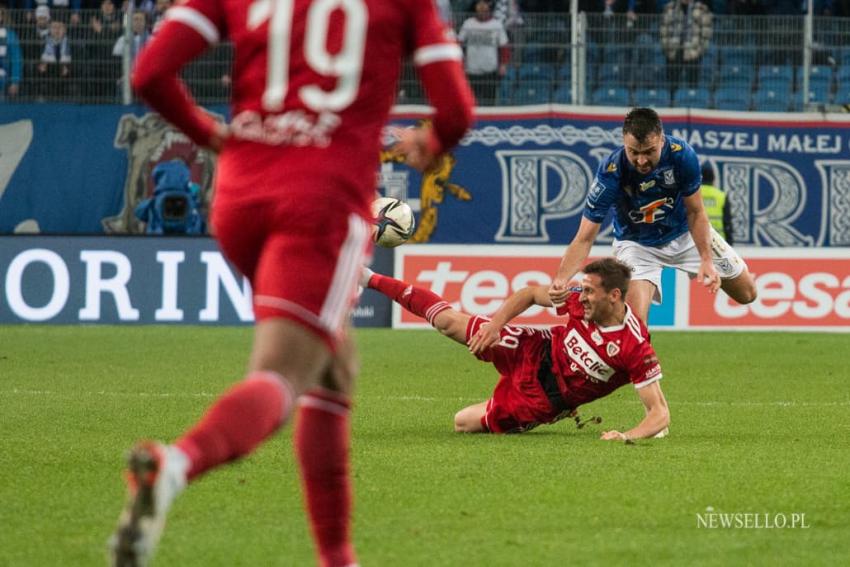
[[598, 303], [645, 155]]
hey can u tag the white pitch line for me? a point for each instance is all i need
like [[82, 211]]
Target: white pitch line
[[410, 398]]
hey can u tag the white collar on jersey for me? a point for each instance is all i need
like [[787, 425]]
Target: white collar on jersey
[[617, 327]]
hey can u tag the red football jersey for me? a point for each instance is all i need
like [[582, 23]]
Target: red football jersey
[[313, 84], [592, 361]]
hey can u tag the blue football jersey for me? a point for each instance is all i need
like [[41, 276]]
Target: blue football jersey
[[648, 209]]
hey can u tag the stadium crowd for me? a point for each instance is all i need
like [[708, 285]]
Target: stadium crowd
[[726, 54]]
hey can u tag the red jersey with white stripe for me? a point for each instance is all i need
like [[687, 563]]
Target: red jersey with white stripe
[[592, 361], [313, 84]]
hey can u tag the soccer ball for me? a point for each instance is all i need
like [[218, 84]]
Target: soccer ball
[[393, 222]]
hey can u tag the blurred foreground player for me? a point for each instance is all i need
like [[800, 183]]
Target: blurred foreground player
[[313, 84], [545, 374]]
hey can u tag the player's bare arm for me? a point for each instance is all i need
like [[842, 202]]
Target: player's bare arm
[[701, 233], [655, 421], [574, 256], [517, 303]]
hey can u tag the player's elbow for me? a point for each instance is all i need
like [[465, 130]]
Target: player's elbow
[[142, 80]]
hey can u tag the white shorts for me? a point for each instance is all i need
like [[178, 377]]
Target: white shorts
[[647, 261]]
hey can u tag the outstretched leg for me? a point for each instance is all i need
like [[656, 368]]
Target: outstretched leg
[[421, 302]]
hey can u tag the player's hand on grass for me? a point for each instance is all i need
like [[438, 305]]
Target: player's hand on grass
[[415, 145], [488, 336], [707, 275], [614, 436]]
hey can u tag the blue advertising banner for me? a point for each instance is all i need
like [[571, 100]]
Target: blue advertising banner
[[520, 176], [137, 280]]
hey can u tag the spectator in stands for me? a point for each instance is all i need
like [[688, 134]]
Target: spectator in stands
[[11, 60], [159, 13], [716, 205], [66, 10], [686, 28], [485, 44], [104, 70], [140, 36], [54, 70], [839, 8]]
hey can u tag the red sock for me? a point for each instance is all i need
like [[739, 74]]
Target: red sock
[[241, 419], [417, 300], [321, 444]]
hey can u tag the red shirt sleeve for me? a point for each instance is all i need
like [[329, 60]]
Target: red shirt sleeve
[[643, 366], [188, 30]]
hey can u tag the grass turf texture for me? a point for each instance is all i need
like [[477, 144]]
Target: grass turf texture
[[759, 424]]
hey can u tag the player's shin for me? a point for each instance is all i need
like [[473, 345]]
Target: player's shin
[[419, 301], [322, 442], [241, 419]]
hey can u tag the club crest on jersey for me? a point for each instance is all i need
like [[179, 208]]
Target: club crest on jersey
[[612, 349], [586, 357], [669, 177], [597, 338]]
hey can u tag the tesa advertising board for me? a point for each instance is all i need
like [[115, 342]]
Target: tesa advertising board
[[799, 289]]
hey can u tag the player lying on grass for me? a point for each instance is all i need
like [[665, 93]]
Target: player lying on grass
[[545, 374]]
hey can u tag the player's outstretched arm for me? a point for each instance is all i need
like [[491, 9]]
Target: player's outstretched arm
[[701, 232], [574, 256], [156, 79], [489, 334], [655, 421]]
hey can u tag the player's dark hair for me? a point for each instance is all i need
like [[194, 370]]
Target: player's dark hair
[[642, 122], [613, 274]]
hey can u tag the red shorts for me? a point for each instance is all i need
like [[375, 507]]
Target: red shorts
[[519, 402], [302, 257]]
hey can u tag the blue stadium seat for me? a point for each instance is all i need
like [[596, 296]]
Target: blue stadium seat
[[708, 67], [776, 77], [650, 76], [534, 94], [533, 53], [738, 76], [610, 96], [842, 95], [842, 78], [692, 98], [536, 72], [657, 98], [563, 94], [616, 55], [505, 94], [819, 93], [738, 56], [820, 74], [767, 99], [565, 71], [732, 98], [613, 75]]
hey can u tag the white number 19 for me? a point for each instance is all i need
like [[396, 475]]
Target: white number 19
[[346, 66]]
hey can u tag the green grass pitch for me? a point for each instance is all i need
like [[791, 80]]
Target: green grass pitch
[[759, 425]]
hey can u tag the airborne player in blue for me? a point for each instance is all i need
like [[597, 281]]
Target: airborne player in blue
[[653, 182]]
